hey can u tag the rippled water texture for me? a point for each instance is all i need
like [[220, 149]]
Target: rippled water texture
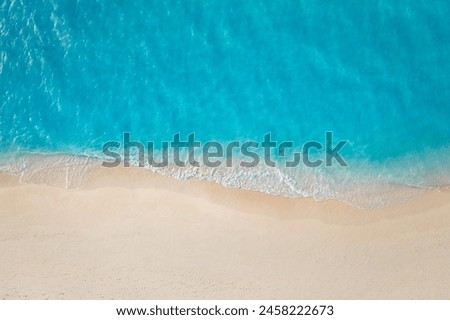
[[75, 74]]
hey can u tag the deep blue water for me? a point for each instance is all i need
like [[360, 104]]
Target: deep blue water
[[75, 74]]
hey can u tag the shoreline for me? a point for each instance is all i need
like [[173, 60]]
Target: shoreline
[[130, 234], [69, 171]]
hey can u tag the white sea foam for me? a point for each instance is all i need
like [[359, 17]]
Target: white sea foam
[[364, 184]]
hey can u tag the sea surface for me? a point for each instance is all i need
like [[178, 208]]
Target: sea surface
[[76, 74]]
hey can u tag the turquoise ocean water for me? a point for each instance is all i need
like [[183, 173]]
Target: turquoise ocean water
[[76, 74]]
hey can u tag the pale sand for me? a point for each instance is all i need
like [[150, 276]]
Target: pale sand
[[131, 234]]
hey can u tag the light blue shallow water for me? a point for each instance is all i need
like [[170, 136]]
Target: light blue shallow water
[[75, 74]]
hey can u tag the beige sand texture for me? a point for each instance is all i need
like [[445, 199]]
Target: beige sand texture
[[131, 234]]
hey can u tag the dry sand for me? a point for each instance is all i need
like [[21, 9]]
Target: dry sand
[[131, 234]]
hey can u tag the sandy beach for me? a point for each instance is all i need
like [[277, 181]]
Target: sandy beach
[[130, 234]]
